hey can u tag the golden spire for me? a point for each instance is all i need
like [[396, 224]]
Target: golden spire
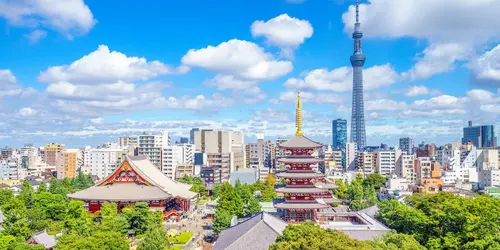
[[298, 116]]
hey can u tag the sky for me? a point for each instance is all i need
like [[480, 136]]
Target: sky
[[83, 72]]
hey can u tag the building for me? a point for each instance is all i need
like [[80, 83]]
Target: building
[[358, 133], [351, 152], [183, 140], [271, 155], [138, 180], [54, 156], [176, 154], [222, 145], [245, 176], [405, 168], [210, 175], [42, 238], [333, 166], [184, 169], [191, 134], [152, 145], [256, 153], [9, 170], [366, 162], [128, 141], [101, 162], [304, 194], [258, 232], [406, 145], [429, 176], [279, 152], [72, 162], [386, 161], [482, 136], [222, 162], [339, 133]]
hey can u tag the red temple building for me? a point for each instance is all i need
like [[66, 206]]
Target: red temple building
[[306, 192], [138, 180]]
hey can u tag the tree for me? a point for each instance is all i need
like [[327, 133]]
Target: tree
[[222, 220], [340, 192], [42, 187], [97, 241], [230, 201], [375, 180], [250, 204], [155, 238], [5, 196], [370, 196], [26, 193]]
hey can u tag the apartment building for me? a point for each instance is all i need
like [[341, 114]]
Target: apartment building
[[103, 161], [72, 159], [405, 168], [54, 156]]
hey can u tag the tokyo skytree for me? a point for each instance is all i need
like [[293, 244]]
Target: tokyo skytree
[[358, 132]]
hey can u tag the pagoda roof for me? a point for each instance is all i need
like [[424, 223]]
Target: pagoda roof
[[327, 185], [121, 192], [300, 175], [329, 200], [303, 190], [300, 141], [299, 160], [301, 205]]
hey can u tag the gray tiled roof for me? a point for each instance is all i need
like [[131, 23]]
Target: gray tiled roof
[[299, 160], [256, 233], [301, 205], [299, 175], [371, 211], [300, 141], [302, 190], [121, 192], [44, 239]]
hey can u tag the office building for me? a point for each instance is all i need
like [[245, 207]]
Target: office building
[[279, 153], [339, 133], [54, 156], [366, 162], [174, 155], [72, 161], [406, 145], [259, 154], [385, 162], [482, 136], [128, 141], [184, 140], [101, 162], [351, 152], [333, 166], [152, 145], [191, 135], [184, 169], [405, 168]]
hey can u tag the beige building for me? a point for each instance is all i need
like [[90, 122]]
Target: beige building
[[184, 169], [405, 168], [333, 162], [54, 156], [72, 160], [366, 162], [423, 168]]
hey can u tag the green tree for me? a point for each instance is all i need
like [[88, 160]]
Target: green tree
[[97, 241], [370, 195], [26, 193], [5, 196], [155, 238], [340, 192], [222, 220], [230, 201], [42, 187], [375, 180]]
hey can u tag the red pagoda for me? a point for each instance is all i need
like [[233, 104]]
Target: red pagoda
[[138, 180], [306, 191]]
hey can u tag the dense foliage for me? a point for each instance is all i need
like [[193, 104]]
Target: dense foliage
[[361, 193], [445, 221], [309, 236], [49, 209], [234, 201]]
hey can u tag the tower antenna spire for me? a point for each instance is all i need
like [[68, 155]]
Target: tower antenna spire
[[357, 11], [298, 116]]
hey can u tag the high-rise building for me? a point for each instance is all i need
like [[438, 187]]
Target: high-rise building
[[333, 162], [351, 151], [152, 145], [71, 162], [103, 161], [128, 141], [482, 136], [406, 145], [174, 155], [54, 156], [279, 152], [183, 140], [386, 161], [258, 154], [271, 154], [339, 133], [366, 162], [358, 133], [191, 135], [405, 168]]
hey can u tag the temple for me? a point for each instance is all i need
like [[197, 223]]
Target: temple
[[138, 180], [306, 192]]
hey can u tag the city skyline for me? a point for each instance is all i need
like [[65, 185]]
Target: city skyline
[[423, 84]]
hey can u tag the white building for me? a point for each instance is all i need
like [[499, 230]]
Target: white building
[[152, 145], [351, 151], [102, 161], [488, 167], [333, 163], [398, 184], [176, 154], [405, 168]]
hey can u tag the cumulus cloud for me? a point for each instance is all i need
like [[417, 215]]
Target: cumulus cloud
[[283, 31], [69, 17], [487, 66], [8, 84], [245, 60], [104, 66], [340, 79], [289, 96], [25, 112], [451, 39]]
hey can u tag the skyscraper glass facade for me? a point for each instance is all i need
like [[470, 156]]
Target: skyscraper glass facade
[[339, 133], [480, 136]]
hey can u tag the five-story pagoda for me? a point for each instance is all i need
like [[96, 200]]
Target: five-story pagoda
[[306, 191]]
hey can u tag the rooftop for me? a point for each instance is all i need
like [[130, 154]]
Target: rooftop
[[303, 190], [299, 160], [300, 141], [43, 239], [121, 192], [300, 175]]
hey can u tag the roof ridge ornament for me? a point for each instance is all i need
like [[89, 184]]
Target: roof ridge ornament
[[298, 116]]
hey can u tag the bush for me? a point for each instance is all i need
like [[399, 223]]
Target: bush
[[182, 238]]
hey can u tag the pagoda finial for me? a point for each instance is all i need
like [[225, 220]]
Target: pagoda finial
[[298, 118]]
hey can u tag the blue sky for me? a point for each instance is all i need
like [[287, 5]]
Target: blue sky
[[85, 72]]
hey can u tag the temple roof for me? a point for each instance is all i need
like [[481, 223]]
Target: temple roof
[[258, 232], [301, 205], [300, 175], [301, 190], [299, 160], [43, 239], [327, 185], [121, 192], [300, 141]]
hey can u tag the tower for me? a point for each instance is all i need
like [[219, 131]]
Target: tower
[[358, 132]]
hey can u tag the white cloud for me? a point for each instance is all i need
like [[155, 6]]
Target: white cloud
[[283, 31], [70, 17], [289, 96], [105, 66], [417, 90], [384, 105], [26, 112], [98, 120], [438, 58], [487, 66], [340, 79], [223, 82], [8, 84], [36, 35], [245, 60]]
